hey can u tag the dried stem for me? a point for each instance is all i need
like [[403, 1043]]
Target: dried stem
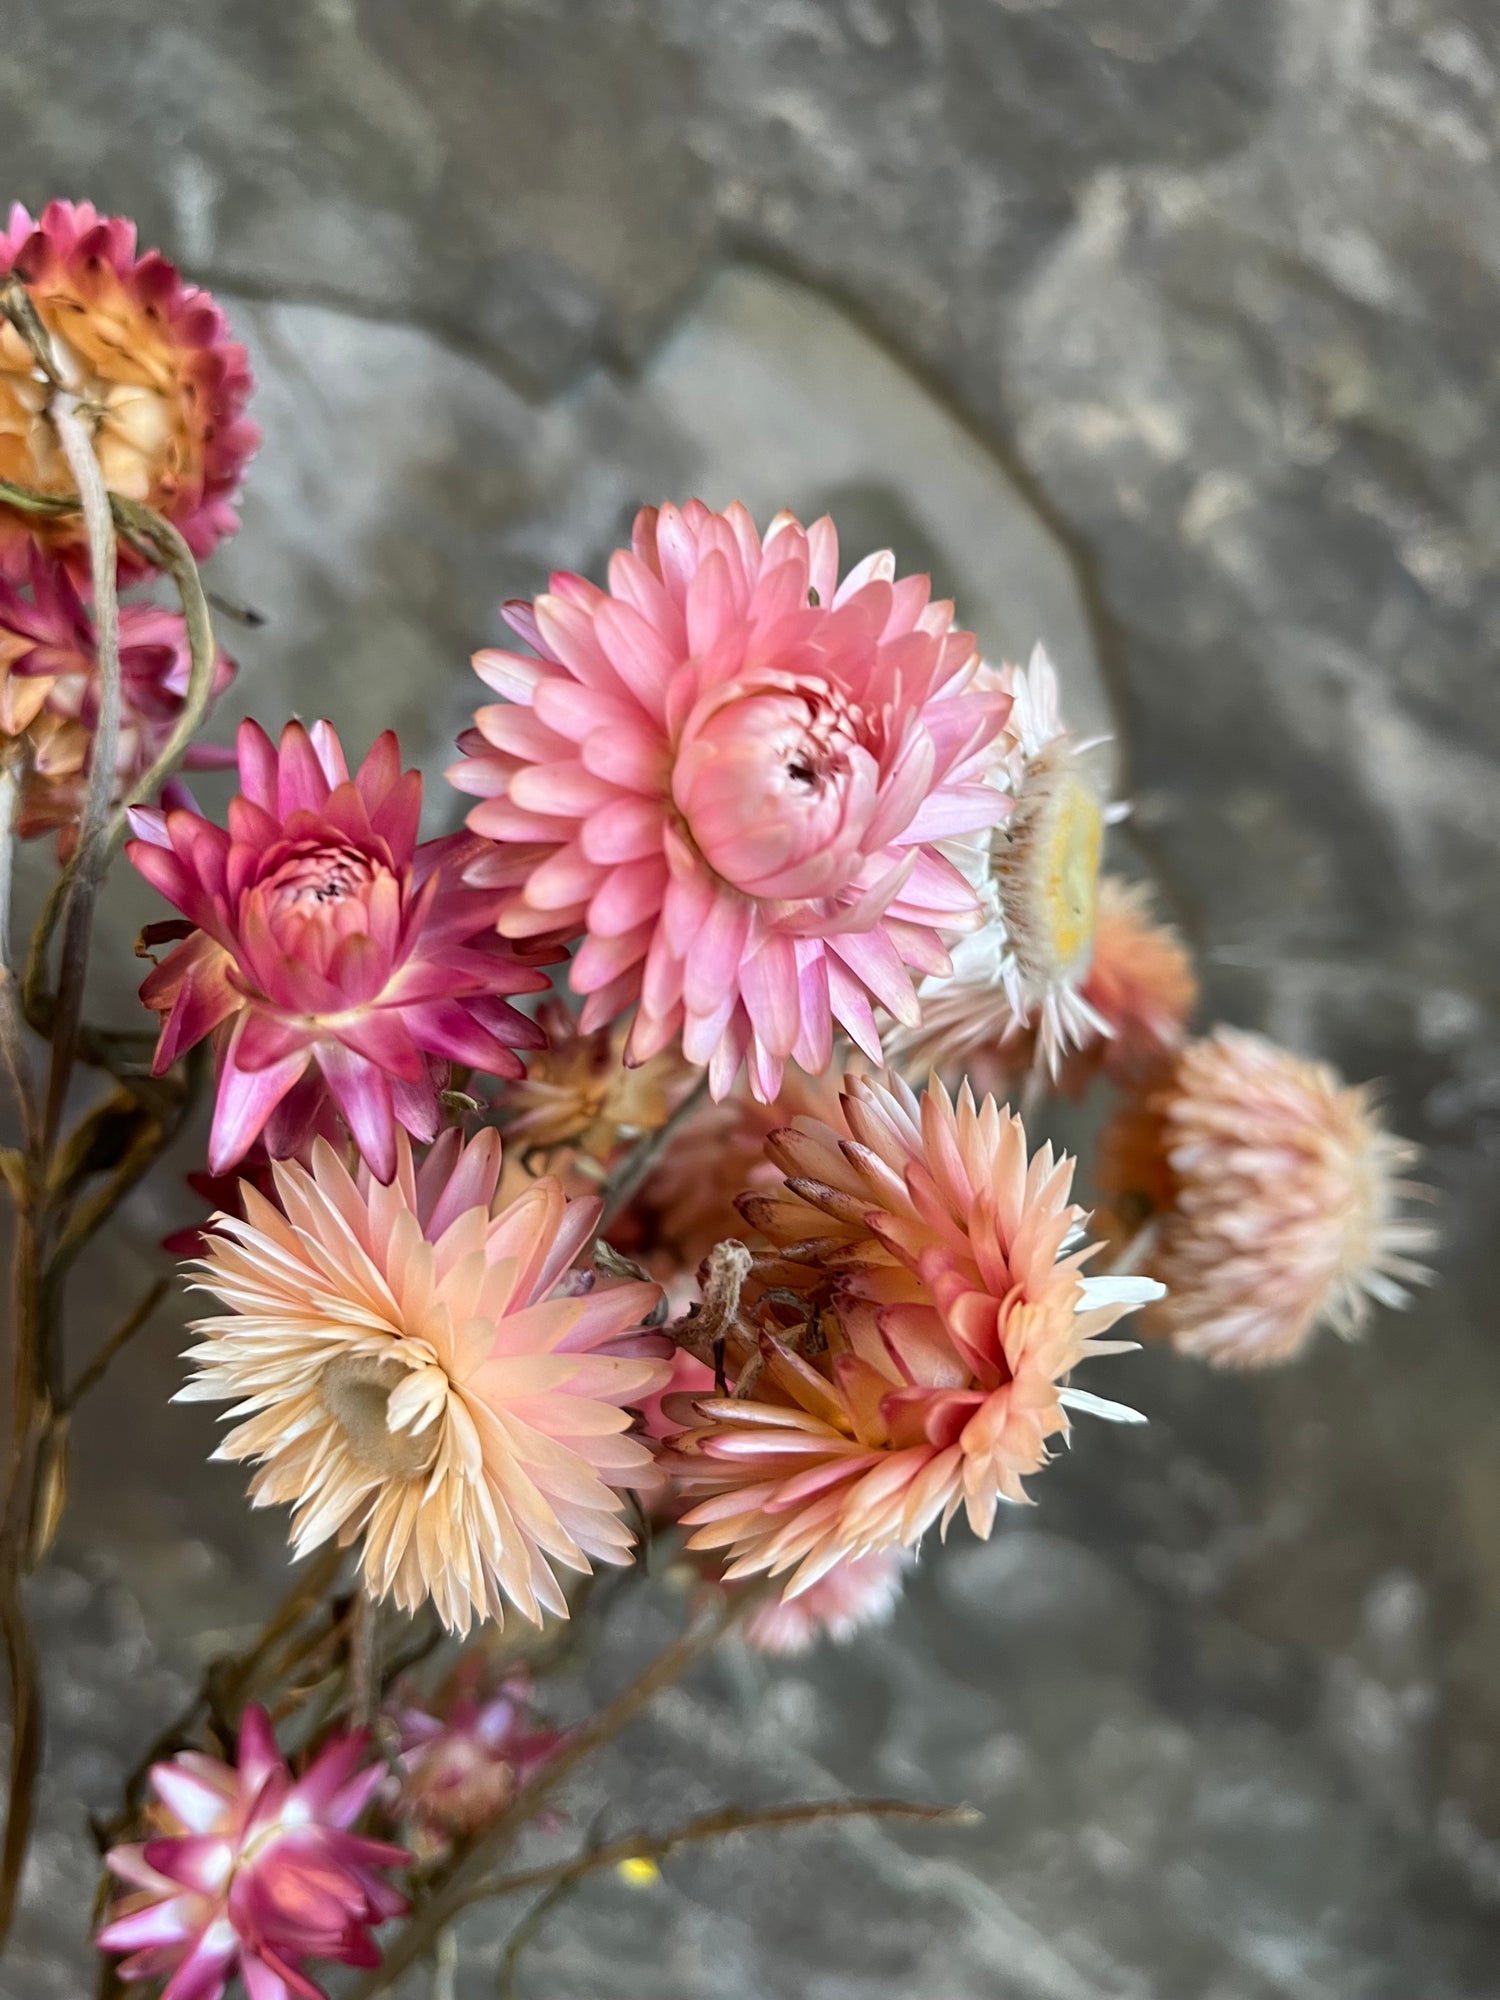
[[28, 1422], [92, 853], [526, 1930], [93, 1371], [363, 1686], [644, 1846], [632, 1177], [165, 546], [473, 1868], [12, 1023]]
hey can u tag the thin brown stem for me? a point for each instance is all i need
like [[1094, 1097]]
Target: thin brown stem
[[28, 1423], [164, 545], [94, 1370], [633, 1176], [474, 1866], [363, 1690], [644, 1846], [78, 448], [12, 1023]]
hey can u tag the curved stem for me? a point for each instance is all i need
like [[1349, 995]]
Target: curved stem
[[92, 853], [644, 1846], [454, 1893]]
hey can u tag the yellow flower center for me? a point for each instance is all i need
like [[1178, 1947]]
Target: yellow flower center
[[1068, 868], [356, 1390]]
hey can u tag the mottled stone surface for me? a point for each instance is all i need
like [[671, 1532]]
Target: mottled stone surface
[[1166, 327]]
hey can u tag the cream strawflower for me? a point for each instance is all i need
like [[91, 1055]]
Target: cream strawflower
[[1272, 1200], [920, 1315], [408, 1375], [1037, 876]]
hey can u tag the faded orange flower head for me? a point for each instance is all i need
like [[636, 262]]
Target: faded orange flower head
[[920, 1314], [1271, 1199]]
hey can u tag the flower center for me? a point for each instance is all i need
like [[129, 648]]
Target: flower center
[[1045, 861], [1070, 864], [355, 1390], [776, 787]]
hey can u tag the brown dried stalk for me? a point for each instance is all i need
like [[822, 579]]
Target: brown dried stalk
[[645, 1846], [46, 1180], [473, 1867]]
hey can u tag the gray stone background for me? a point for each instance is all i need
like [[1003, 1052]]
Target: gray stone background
[[1164, 328]]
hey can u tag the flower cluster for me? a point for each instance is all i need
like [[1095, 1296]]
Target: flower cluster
[[828, 886]]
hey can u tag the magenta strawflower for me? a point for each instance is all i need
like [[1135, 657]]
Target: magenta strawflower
[[726, 774], [328, 948], [466, 1753], [252, 1871], [159, 380]]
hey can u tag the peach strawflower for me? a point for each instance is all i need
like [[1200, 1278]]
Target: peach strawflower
[[846, 1600], [919, 1317], [156, 372], [1036, 875], [409, 1376], [250, 1871], [578, 1092], [1273, 1200], [726, 774]]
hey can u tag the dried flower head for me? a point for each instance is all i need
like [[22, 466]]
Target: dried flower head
[[919, 1318], [726, 774], [156, 372], [330, 949], [49, 692], [1273, 1200], [858, 1592], [251, 1871], [408, 1375], [1140, 987], [577, 1091], [465, 1753], [1036, 874]]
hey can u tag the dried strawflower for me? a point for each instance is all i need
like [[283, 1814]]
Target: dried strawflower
[[1140, 987], [578, 1092], [465, 1753], [156, 373], [846, 1600], [916, 1328], [409, 1376], [330, 949], [726, 774], [1036, 875], [249, 1870], [1271, 1199], [687, 1204]]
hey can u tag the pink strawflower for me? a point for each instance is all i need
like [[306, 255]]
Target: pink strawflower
[[252, 1871], [329, 948], [925, 1311], [1262, 1189], [49, 691], [726, 774], [418, 1366], [858, 1592], [465, 1754], [157, 373]]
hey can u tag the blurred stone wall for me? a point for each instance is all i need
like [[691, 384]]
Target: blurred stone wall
[[1165, 329]]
